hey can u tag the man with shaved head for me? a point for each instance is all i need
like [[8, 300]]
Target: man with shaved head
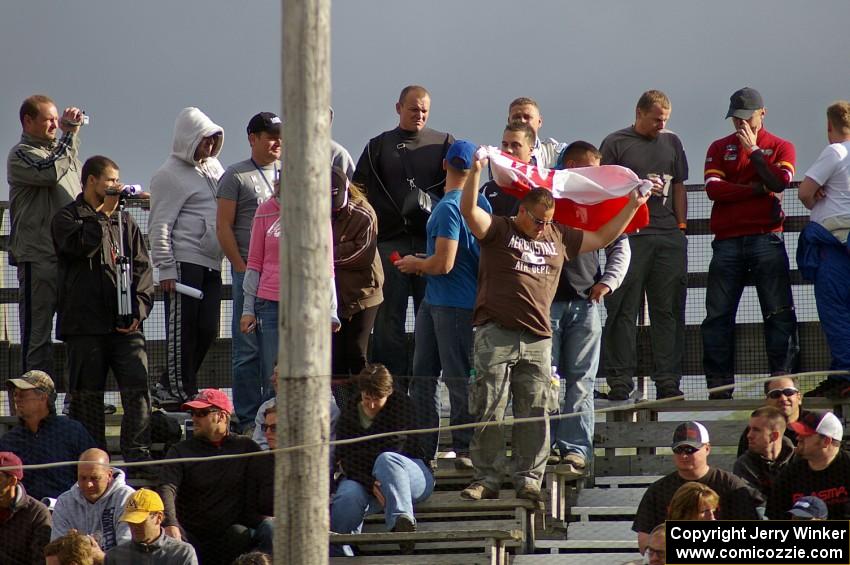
[[95, 502]]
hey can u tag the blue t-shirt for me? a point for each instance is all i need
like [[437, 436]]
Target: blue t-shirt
[[457, 288]]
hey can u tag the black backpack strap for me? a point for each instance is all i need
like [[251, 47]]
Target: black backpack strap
[[405, 162]]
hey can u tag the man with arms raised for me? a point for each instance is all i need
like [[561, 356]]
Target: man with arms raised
[[94, 503], [691, 447], [821, 468], [769, 449], [521, 260], [392, 165]]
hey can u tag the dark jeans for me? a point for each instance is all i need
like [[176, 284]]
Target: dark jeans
[[763, 256], [351, 342], [191, 325], [389, 344], [443, 342], [37, 294], [90, 357]]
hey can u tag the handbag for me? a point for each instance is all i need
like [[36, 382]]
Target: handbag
[[418, 203]]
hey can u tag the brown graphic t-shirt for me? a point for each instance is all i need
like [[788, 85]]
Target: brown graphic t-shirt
[[518, 276]]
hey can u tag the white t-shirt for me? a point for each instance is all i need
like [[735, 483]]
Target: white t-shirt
[[832, 172]]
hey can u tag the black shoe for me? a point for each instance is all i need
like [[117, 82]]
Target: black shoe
[[109, 409], [721, 395], [669, 390], [405, 524], [830, 388], [618, 393]]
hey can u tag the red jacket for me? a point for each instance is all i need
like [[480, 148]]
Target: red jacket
[[738, 208]]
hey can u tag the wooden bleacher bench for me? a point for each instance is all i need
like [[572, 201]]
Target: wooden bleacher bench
[[594, 535], [597, 558], [595, 502]]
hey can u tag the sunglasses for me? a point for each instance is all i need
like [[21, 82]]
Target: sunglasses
[[685, 450], [779, 392], [202, 412], [268, 428], [538, 221]]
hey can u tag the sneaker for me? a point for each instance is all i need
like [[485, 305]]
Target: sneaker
[[477, 491], [529, 491], [667, 390], [161, 397], [619, 393], [830, 388], [405, 524], [463, 462], [574, 459]]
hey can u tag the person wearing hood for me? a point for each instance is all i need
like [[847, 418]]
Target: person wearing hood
[[185, 248], [95, 502], [24, 521]]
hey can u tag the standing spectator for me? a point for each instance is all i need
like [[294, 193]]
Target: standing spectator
[[518, 142], [24, 521], [90, 235], [821, 467], [521, 261], [73, 548], [94, 503], [242, 187], [386, 473], [658, 264], [783, 393], [150, 544], [44, 175], [543, 153], [392, 165], [769, 449], [185, 249], [209, 504], [691, 448], [43, 437], [745, 175], [577, 328], [822, 254], [359, 274], [444, 323]]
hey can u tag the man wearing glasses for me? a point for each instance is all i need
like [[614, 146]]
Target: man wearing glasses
[[209, 504], [783, 394], [691, 447], [520, 264]]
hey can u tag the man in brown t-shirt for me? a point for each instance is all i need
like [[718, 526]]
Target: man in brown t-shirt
[[521, 261]]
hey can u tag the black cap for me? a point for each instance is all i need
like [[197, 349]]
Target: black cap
[[264, 121], [744, 102]]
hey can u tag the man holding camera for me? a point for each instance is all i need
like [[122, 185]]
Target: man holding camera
[[44, 175], [95, 242]]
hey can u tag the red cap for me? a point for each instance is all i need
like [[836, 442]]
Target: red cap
[[210, 398], [9, 459]]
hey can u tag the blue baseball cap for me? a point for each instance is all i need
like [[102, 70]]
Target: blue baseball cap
[[461, 155]]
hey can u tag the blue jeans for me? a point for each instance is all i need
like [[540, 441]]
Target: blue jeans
[[576, 333], [389, 342], [443, 341], [763, 256], [249, 385], [267, 334], [404, 482]]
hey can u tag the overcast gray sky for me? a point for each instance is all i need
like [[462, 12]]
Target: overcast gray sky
[[133, 65]]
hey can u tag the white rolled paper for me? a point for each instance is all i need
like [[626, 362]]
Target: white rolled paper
[[188, 291]]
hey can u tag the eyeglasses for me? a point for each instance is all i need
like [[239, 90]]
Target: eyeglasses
[[779, 392], [538, 221], [661, 553], [268, 428], [202, 412], [685, 450]]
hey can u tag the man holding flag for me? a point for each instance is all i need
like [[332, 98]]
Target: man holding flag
[[521, 261]]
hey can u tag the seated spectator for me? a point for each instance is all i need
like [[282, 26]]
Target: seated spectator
[[691, 447], [693, 501], [43, 437], [821, 468], [809, 508], [386, 473], [73, 548], [769, 451], [24, 521], [94, 503], [209, 504], [150, 544], [657, 547], [783, 393], [253, 558]]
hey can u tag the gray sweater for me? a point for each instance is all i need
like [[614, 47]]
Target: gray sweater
[[164, 551]]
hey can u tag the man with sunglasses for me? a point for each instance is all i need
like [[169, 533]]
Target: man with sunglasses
[[210, 504], [691, 447], [783, 394], [520, 264], [821, 468], [769, 449]]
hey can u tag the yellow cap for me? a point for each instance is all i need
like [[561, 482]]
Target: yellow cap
[[140, 505]]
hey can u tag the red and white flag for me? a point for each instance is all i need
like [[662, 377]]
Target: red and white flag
[[585, 198]]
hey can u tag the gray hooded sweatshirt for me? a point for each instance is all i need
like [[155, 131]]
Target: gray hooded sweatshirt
[[183, 199], [100, 518]]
